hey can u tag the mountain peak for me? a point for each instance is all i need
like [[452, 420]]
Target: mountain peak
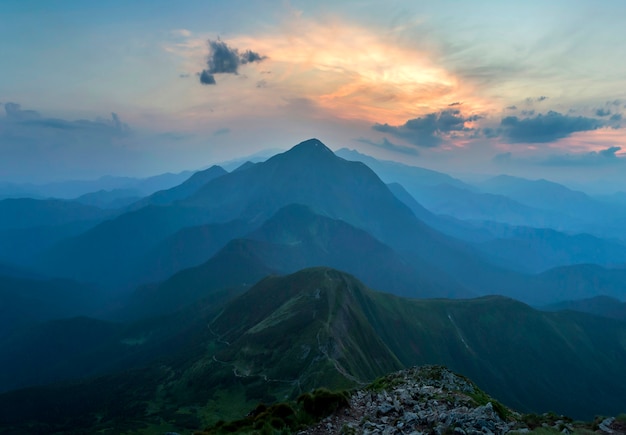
[[310, 146]]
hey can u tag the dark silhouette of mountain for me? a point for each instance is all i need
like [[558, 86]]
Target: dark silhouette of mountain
[[543, 249], [116, 243], [110, 199], [604, 306], [184, 190], [546, 195], [300, 238], [321, 327], [25, 300], [28, 213], [445, 195], [446, 224], [231, 271], [186, 248], [411, 177], [246, 165], [574, 282], [74, 188], [307, 174], [51, 351], [293, 239]]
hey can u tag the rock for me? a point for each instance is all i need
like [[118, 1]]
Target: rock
[[384, 409]]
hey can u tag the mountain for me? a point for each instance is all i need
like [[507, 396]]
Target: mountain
[[604, 306], [110, 199], [26, 300], [296, 326], [308, 174], [116, 243], [29, 213], [28, 227], [321, 327], [293, 239], [74, 188], [186, 248], [184, 190], [471, 232], [231, 271], [546, 195], [543, 249], [411, 177]]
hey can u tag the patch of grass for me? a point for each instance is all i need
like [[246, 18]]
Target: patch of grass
[[385, 383], [284, 417], [323, 402], [481, 399]]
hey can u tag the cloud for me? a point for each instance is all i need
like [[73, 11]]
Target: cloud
[[511, 108], [223, 59], [33, 145], [603, 112], [206, 78], [428, 131], [221, 132], [456, 103], [545, 128], [14, 112], [540, 99], [387, 145], [609, 152], [503, 157], [603, 157]]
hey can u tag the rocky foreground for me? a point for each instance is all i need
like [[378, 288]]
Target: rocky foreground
[[433, 400]]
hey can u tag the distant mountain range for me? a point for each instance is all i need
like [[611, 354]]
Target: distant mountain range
[[304, 270]]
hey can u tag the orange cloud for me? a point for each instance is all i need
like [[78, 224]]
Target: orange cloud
[[355, 73]]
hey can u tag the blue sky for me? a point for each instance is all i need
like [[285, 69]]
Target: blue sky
[[536, 89]]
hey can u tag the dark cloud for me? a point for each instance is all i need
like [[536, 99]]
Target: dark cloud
[[594, 158], [223, 59], [261, 84], [206, 78], [221, 132], [528, 112], [249, 56], [184, 75], [15, 116], [387, 145], [488, 132], [512, 108], [531, 100], [456, 103], [616, 117], [36, 146], [428, 131], [609, 152], [545, 128], [15, 112], [603, 112]]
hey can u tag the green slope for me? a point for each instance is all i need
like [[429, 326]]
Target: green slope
[[321, 327]]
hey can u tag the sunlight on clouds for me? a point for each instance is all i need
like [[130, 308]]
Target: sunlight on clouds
[[355, 73], [348, 71], [596, 140]]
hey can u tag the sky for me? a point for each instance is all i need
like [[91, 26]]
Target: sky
[[535, 89]]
